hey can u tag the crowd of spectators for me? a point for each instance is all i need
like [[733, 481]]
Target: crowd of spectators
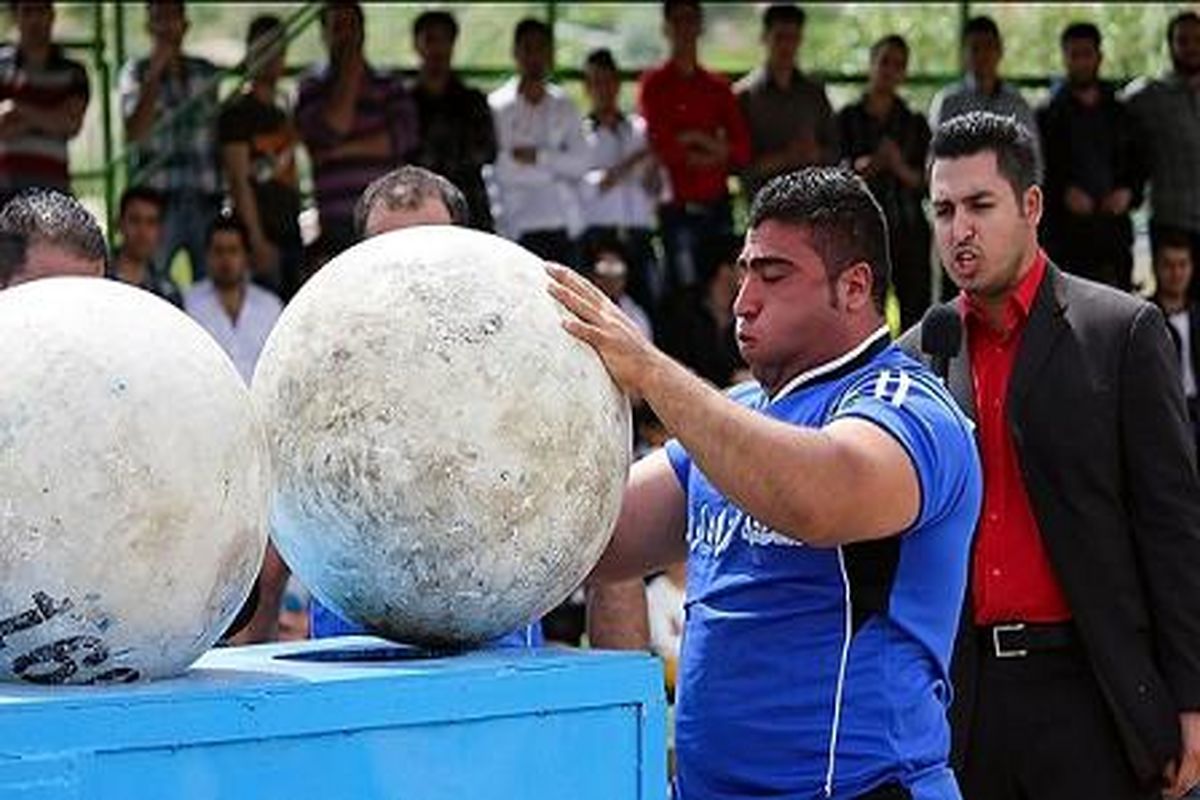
[[638, 199]]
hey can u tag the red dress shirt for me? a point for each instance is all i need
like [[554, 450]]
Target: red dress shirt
[[672, 102], [1012, 579]]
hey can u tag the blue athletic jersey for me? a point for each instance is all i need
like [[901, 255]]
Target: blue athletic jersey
[[325, 622], [823, 672]]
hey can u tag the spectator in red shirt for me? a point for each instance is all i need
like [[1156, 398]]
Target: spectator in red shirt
[[697, 131]]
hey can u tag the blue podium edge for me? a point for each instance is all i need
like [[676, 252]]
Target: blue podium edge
[[249, 693]]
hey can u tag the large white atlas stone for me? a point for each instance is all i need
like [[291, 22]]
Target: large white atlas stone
[[449, 462], [134, 485]]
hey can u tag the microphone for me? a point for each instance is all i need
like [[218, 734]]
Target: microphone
[[941, 337]]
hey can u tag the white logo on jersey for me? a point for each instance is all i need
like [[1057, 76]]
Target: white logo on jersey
[[893, 386], [712, 532]]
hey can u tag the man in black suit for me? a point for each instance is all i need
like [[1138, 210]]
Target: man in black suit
[[1077, 668]]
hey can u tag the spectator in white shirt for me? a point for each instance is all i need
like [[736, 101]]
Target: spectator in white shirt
[[541, 153], [238, 314], [624, 180]]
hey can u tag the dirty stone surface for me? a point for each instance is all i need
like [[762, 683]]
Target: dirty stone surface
[[133, 485], [449, 462]]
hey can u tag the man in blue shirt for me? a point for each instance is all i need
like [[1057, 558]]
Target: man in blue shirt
[[825, 511]]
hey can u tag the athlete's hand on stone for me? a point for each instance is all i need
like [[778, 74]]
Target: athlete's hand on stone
[[596, 320]]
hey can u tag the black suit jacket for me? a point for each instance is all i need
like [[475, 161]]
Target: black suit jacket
[[1105, 447]]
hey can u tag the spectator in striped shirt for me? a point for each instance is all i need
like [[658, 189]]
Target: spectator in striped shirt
[[169, 103], [357, 123], [43, 95]]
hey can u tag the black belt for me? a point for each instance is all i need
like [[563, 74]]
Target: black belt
[[889, 791], [1020, 639]]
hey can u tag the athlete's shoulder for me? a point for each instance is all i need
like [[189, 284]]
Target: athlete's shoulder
[[894, 378]]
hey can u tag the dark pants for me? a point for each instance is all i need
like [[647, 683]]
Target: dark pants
[[644, 279], [1042, 731], [187, 216], [552, 245], [685, 226], [286, 280], [1156, 232], [1098, 247]]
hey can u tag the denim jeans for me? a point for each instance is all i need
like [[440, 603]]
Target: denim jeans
[[187, 217], [685, 226]]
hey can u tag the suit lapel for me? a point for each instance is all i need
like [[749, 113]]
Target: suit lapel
[[960, 380], [1047, 322]]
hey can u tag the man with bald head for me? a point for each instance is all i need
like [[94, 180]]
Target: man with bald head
[[45, 232]]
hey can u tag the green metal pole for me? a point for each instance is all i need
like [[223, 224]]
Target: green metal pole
[[119, 26], [102, 71], [551, 18]]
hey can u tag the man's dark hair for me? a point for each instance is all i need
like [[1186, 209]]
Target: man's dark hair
[[435, 19], [48, 216], [981, 24], [531, 26], [1182, 18], [408, 187], [601, 58], [1080, 30], [670, 5], [152, 5], [228, 222], [783, 14], [141, 194], [844, 222], [891, 40], [985, 132], [599, 245], [323, 14], [262, 25], [1171, 239]]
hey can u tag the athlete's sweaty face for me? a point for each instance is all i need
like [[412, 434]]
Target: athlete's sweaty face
[[788, 311]]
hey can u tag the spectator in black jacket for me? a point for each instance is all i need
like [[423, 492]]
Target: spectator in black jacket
[[1090, 169]]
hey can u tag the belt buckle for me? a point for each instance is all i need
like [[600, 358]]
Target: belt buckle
[[998, 649]]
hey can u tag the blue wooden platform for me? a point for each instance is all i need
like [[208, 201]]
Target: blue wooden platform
[[294, 721]]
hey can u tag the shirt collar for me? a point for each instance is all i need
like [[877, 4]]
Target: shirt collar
[[844, 363], [768, 79], [1019, 303]]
